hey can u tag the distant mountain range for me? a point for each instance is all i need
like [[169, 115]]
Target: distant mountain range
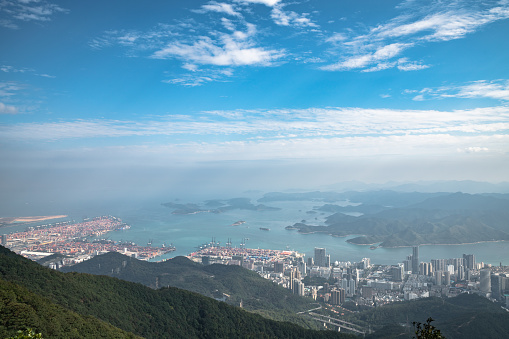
[[393, 219], [451, 186]]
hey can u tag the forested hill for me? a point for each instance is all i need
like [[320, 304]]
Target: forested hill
[[233, 283], [467, 316], [164, 313], [456, 218]]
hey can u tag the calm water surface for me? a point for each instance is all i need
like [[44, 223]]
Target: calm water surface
[[186, 232], [150, 221]]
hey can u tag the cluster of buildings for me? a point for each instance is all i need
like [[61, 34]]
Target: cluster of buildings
[[77, 241], [363, 283]]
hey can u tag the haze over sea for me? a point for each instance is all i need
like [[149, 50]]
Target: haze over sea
[[150, 221]]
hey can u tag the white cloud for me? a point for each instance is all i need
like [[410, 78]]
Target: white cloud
[[7, 109], [419, 24], [383, 53], [233, 49], [447, 25], [270, 3], [405, 65], [219, 7], [27, 11], [200, 77], [474, 149], [290, 18], [9, 88], [11, 69], [495, 89], [274, 124]]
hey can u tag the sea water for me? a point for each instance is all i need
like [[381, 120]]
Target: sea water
[[158, 225], [152, 222]]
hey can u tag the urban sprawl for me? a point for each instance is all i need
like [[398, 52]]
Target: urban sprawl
[[334, 283], [78, 241]]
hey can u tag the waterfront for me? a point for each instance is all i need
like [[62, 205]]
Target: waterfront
[[151, 221], [187, 232]]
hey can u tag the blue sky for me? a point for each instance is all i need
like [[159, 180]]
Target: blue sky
[[282, 92]]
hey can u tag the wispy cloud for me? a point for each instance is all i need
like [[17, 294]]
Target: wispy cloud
[[277, 124], [9, 88], [225, 38], [418, 24], [23, 10], [229, 49], [7, 109], [495, 89], [284, 17], [11, 69], [137, 40], [198, 77], [270, 3], [218, 7], [376, 58]]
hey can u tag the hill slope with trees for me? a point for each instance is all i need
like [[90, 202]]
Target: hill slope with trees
[[165, 313]]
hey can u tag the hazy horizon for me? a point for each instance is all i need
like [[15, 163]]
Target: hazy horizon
[[218, 97]]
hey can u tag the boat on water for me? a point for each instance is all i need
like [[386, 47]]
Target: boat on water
[[264, 229], [238, 223]]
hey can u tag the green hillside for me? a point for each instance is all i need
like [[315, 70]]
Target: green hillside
[[164, 313], [465, 316], [213, 280], [21, 309]]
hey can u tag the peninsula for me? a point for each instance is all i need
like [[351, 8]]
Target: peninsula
[[448, 219]]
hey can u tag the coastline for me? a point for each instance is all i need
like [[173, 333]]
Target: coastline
[[24, 220], [401, 246]]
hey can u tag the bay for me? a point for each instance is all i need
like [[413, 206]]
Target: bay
[[157, 224]]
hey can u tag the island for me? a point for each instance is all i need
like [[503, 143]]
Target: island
[[444, 219], [231, 204]]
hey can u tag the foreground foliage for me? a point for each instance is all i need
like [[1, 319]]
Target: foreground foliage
[[427, 331]]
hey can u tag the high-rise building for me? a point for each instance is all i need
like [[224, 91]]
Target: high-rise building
[[415, 260], [496, 286], [311, 262], [366, 263], [314, 293], [4, 240], [298, 287], [327, 260], [438, 277], [320, 257], [447, 278], [407, 264], [338, 296], [461, 273], [302, 268], [397, 273], [425, 268], [469, 261], [326, 288], [292, 279], [349, 286], [485, 281], [279, 267]]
